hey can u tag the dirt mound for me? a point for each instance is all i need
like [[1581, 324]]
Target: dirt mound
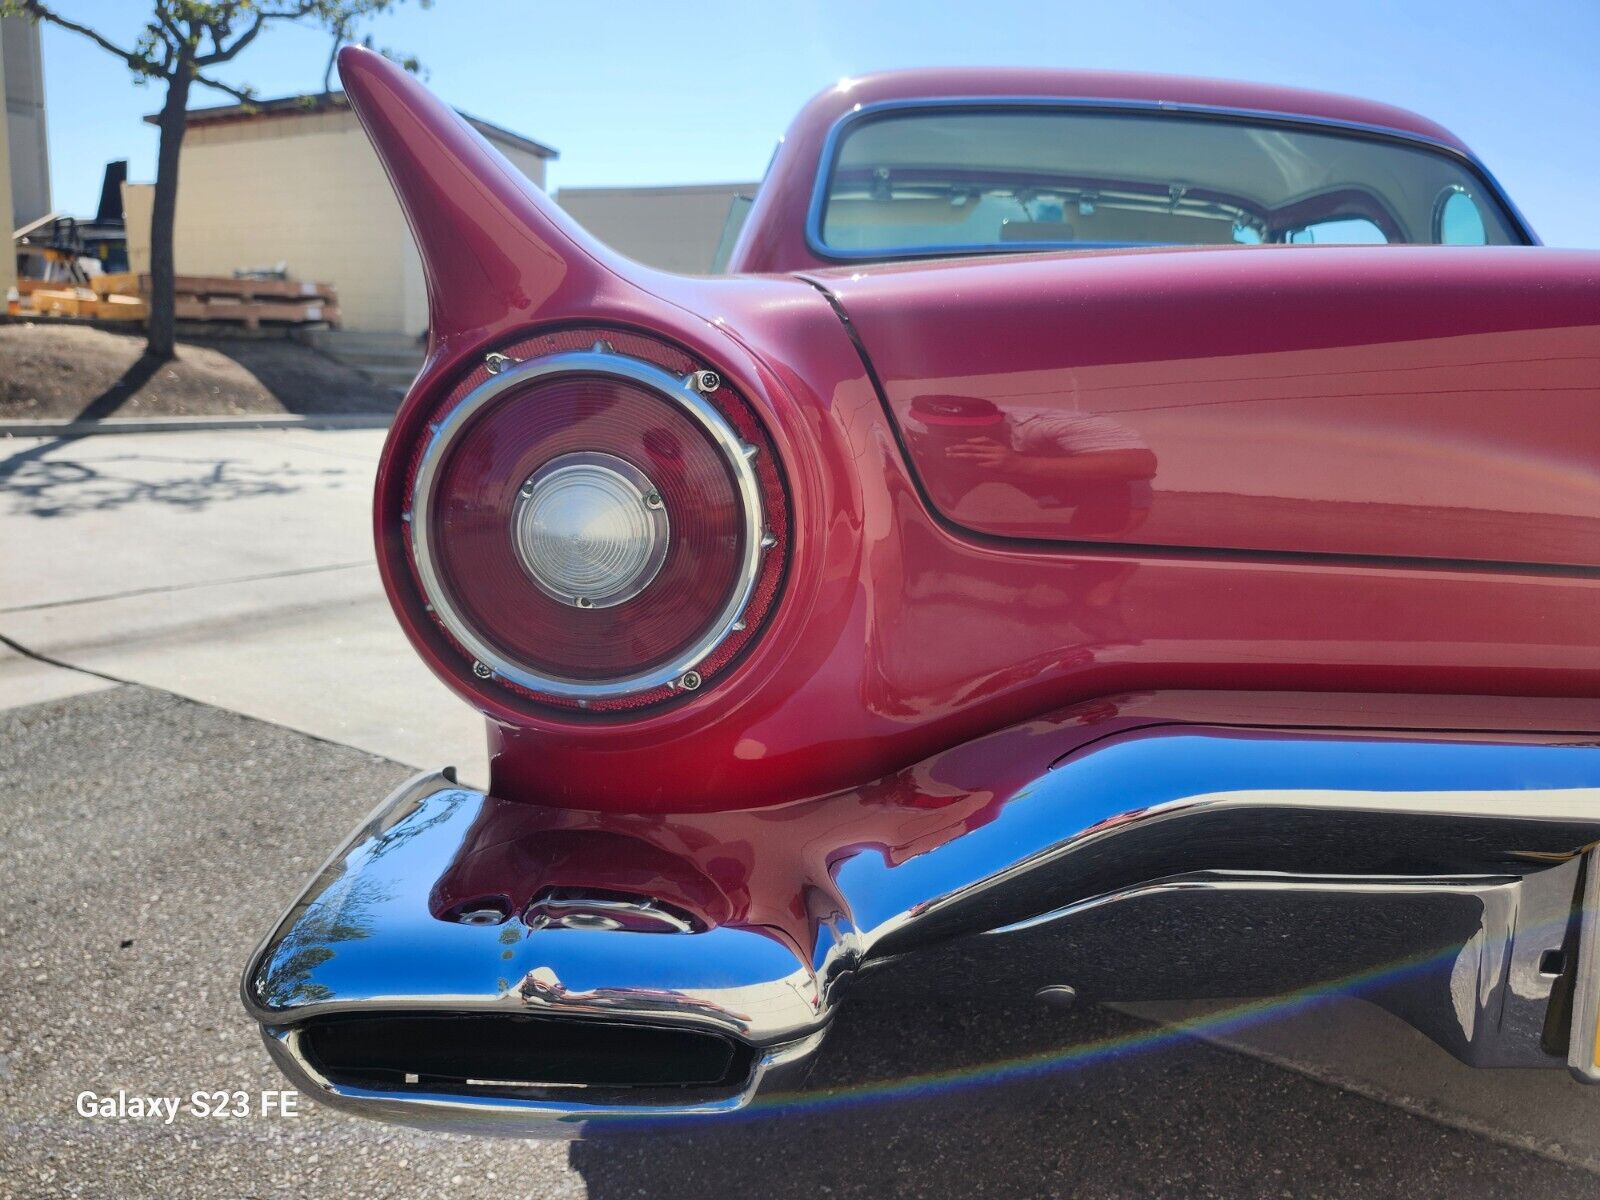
[[55, 371]]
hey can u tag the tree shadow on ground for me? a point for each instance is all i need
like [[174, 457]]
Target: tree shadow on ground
[[103, 405], [38, 482], [305, 381], [107, 402]]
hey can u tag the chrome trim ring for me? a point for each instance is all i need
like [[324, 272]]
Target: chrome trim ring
[[678, 391]]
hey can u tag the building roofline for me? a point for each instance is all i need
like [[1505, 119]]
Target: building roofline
[[291, 106]]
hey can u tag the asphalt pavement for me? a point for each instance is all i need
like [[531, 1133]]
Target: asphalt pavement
[[150, 840]]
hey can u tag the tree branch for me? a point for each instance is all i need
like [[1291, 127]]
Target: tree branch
[[39, 12], [243, 95], [170, 24], [341, 34], [223, 54]]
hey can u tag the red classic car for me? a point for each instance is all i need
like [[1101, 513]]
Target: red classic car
[[1127, 535]]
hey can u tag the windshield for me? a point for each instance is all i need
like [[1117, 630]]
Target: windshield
[[934, 180]]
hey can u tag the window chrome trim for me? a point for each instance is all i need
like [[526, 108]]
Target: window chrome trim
[[1446, 193], [669, 387], [864, 112]]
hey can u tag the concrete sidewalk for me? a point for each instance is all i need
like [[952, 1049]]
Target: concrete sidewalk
[[236, 569], [231, 567]]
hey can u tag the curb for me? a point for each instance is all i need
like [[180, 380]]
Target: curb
[[47, 429]]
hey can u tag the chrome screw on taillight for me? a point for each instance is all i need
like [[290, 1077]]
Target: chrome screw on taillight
[[705, 382], [481, 671], [689, 680]]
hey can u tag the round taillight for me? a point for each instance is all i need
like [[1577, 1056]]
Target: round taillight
[[587, 526]]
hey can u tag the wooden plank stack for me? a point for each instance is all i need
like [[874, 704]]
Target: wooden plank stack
[[64, 301], [119, 297], [45, 298], [212, 298], [252, 301]]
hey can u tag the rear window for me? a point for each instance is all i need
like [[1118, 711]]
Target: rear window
[[934, 180]]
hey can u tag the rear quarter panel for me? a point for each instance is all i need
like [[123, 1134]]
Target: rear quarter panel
[[1407, 403]]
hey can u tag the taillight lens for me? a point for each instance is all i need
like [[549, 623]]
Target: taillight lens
[[591, 528]]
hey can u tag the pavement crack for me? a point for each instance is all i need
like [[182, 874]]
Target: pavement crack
[[184, 587], [13, 644]]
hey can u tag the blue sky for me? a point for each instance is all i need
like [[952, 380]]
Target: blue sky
[[632, 91]]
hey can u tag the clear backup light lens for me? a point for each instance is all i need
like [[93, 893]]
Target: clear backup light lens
[[590, 530]]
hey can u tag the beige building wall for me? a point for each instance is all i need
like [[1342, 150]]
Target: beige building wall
[[673, 228], [307, 190], [137, 201], [8, 259], [28, 170]]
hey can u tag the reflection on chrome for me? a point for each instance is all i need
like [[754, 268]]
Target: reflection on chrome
[[1170, 861]]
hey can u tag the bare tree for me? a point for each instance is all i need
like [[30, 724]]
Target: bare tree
[[343, 31], [180, 46]]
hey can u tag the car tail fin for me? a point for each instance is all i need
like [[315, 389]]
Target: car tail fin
[[495, 249]]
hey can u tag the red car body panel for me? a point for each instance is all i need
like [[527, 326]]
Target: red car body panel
[[1387, 402], [897, 636]]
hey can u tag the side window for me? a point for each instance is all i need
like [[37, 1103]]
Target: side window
[[738, 210], [1341, 231]]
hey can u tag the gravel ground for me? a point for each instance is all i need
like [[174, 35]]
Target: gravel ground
[[149, 841], [54, 371]]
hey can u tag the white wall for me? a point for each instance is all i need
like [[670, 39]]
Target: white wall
[[673, 228]]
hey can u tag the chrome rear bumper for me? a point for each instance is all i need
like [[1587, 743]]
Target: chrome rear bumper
[[1436, 877]]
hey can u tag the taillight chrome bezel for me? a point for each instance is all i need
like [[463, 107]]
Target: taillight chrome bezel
[[683, 392]]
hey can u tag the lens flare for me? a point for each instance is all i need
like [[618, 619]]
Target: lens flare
[[1077, 1055]]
